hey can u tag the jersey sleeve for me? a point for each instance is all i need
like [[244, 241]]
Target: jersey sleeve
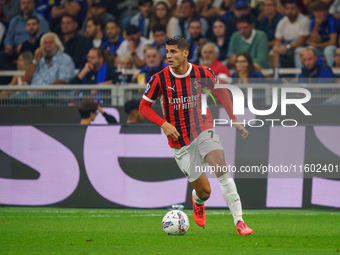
[[211, 78], [153, 89]]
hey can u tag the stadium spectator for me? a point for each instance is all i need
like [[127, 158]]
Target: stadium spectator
[[74, 8], [269, 21], [334, 9], [88, 111], [324, 32], [314, 70], [95, 71], [131, 108], [159, 36], [72, 41], [209, 59], [220, 38], [50, 64], [213, 9], [114, 40], [291, 34], [17, 33], [248, 39], [188, 13], [44, 7], [195, 31], [142, 18], [9, 9], [154, 64], [241, 7], [2, 34], [162, 14], [95, 36], [133, 46], [228, 10], [32, 28], [337, 58], [99, 10], [245, 70], [124, 63], [24, 61]]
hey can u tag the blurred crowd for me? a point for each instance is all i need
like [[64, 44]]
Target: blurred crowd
[[101, 39]]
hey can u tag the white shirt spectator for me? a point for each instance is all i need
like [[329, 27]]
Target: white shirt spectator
[[2, 31], [335, 7], [123, 49], [291, 31]]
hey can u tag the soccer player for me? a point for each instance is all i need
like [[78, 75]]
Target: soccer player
[[190, 133]]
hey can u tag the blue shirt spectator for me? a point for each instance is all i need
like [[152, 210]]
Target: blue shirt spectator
[[79, 13], [161, 49], [314, 70], [151, 71], [44, 8], [61, 68], [9, 9], [17, 33], [329, 26], [324, 32], [189, 13], [112, 30], [112, 47], [269, 21], [255, 77], [142, 18]]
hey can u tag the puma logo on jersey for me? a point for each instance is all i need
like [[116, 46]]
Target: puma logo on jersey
[[172, 88]]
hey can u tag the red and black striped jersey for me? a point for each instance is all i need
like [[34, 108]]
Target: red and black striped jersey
[[180, 98]]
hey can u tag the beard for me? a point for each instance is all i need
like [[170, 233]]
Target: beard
[[206, 62], [50, 52]]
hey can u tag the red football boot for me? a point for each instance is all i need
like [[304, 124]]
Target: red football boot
[[198, 213], [243, 229]]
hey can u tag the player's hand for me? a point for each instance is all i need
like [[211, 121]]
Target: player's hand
[[239, 127], [170, 131]]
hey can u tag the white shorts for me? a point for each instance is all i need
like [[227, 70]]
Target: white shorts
[[190, 158]]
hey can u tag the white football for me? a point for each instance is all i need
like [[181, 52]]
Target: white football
[[175, 222]]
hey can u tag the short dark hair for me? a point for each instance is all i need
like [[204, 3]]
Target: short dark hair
[[86, 107], [142, 2], [159, 28], [245, 18], [69, 16], [32, 17], [319, 6], [112, 21], [97, 21], [100, 52], [192, 3], [181, 42], [131, 105], [132, 29], [194, 20], [291, 2]]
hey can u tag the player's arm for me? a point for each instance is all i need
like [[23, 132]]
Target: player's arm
[[227, 105], [146, 110], [152, 91]]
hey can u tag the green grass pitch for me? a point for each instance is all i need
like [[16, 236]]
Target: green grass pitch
[[139, 231]]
